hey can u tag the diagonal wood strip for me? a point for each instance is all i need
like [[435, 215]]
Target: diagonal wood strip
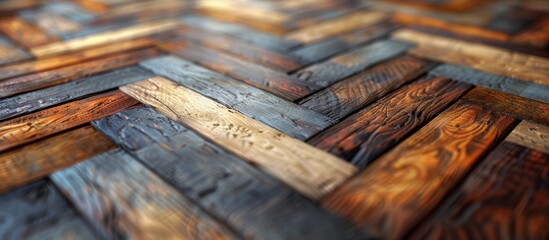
[[531, 135]]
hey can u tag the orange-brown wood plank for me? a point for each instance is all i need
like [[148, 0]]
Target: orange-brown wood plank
[[36, 160], [24, 33], [399, 189], [43, 123]]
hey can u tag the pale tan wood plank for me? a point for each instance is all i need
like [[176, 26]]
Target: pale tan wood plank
[[305, 168], [531, 135], [105, 37], [478, 56]]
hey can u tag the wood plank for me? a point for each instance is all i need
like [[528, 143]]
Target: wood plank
[[478, 56], [40, 99], [289, 118], [342, 66], [57, 76], [71, 11], [315, 52], [514, 20], [497, 82], [10, 53], [512, 105], [67, 59], [31, 162], [24, 33], [347, 96], [399, 189], [308, 170], [277, 83], [366, 135], [107, 37], [44, 123], [220, 182], [52, 23], [503, 198], [39, 211], [125, 200], [531, 135], [536, 35], [323, 30]]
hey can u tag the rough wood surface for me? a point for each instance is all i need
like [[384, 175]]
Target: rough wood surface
[[400, 188], [505, 197], [43, 123], [308, 170], [126, 201], [531, 135], [29, 163]]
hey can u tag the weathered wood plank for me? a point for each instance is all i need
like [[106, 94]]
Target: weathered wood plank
[[220, 182], [400, 188], [31, 162], [505, 197], [70, 11], [374, 130], [323, 30], [67, 59], [43, 123], [10, 53], [340, 67], [126, 201], [478, 56], [289, 118], [39, 211], [24, 33], [54, 24], [531, 135], [65, 74], [513, 20], [103, 38], [497, 82], [40, 99], [278, 83], [536, 35], [515, 106], [308, 170], [347, 96], [315, 52]]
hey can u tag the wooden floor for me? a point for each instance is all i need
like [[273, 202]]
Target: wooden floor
[[274, 119]]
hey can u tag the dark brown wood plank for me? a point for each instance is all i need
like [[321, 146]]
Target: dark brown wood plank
[[40, 99], [374, 130], [349, 95], [505, 197], [39, 211], [127, 201], [66, 74], [290, 118], [278, 83], [23, 32], [33, 161], [43, 123], [220, 182], [342, 66], [398, 190]]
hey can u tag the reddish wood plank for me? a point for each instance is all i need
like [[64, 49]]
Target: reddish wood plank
[[24, 33]]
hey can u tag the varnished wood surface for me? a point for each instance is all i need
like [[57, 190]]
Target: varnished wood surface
[[261, 119]]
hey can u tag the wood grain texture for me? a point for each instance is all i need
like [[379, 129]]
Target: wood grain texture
[[308, 170], [40, 99], [9, 53], [342, 66], [65, 74], [505, 197], [275, 82], [367, 134], [251, 202], [478, 56], [323, 30], [289, 118], [43, 123], [497, 82], [136, 31], [347, 96], [31, 162], [515, 106], [24, 33], [39, 211], [531, 135], [68, 59], [399, 189], [126, 201]]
